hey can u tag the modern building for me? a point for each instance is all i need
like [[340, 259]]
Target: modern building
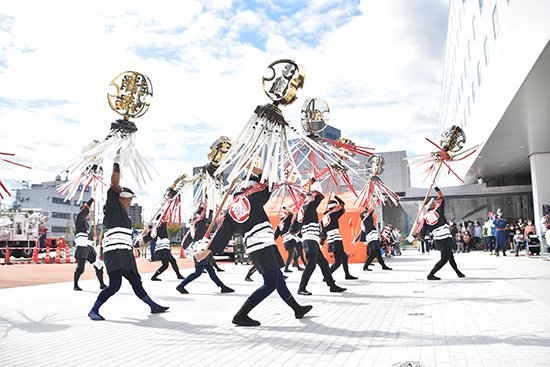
[[61, 213], [496, 86]]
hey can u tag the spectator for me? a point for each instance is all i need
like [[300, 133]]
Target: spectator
[[529, 229], [519, 240], [459, 239], [478, 230]]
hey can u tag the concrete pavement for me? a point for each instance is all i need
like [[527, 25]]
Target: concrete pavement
[[499, 315]]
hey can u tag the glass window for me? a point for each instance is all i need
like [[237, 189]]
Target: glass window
[[469, 56], [486, 51], [60, 201], [474, 27], [496, 25], [61, 215], [473, 92], [465, 70], [480, 6], [468, 106]]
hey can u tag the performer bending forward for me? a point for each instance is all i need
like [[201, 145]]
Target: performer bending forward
[[369, 234], [163, 252], [434, 221], [310, 240], [285, 230], [246, 215], [118, 252], [84, 248], [331, 229]]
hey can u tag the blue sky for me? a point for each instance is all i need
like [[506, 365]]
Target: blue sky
[[377, 63]]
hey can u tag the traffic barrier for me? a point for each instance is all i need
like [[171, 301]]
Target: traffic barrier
[[58, 256], [35, 255], [182, 253], [67, 255], [7, 256], [47, 258]]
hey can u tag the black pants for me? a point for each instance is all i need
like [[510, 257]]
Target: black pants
[[423, 246], [340, 258], [292, 255], [446, 256], [374, 253], [273, 280], [170, 260], [115, 281], [199, 268], [299, 255], [314, 258]]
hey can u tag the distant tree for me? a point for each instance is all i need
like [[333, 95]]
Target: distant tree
[[173, 229]]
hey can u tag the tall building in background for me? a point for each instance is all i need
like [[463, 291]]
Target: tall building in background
[[496, 86]]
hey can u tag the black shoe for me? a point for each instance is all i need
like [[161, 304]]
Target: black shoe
[[77, 288], [367, 269], [351, 277], [433, 277], [300, 269], [285, 277], [220, 270], [180, 277], [248, 279], [386, 268], [303, 292], [102, 286], [302, 311], [226, 289], [288, 271], [181, 289], [95, 316], [335, 289], [155, 279], [244, 320], [460, 275]]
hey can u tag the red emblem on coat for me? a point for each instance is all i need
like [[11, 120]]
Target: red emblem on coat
[[239, 209], [432, 217], [326, 220]]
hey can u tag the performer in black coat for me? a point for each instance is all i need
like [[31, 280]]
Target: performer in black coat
[[309, 218], [369, 235], [84, 249], [435, 222], [118, 251], [247, 216], [196, 232], [289, 238], [163, 252], [330, 228]]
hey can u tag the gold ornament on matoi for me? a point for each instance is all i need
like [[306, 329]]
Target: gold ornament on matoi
[[133, 91], [315, 115], [282, 80]]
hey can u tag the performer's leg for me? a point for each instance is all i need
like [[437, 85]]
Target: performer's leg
[[370, 258], [301, 256], [311, 254], [241, 318], [284, 293], [251, 271], [80, 263], [160, 270], [337, 252], [115, 280], [215, 265], [296, 261], [323, 264], [454, 266], [99, 275], [174, 264], [215, 279], [135, 281], [199, 268], [445, 255], [290, 251], [381, 261], [346, 266]]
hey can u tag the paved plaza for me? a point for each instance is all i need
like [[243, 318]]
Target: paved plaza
[[499, 315]]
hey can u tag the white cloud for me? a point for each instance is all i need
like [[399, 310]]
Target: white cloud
[[377, 63]]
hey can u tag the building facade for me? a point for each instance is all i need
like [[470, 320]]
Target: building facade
[[496, 86]]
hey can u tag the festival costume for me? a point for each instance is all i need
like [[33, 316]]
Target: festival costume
[[331, 229], [163, 252], [289, 235], [84, 249], [369, 235], [247, 216], [309, 219], [435, 222]]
